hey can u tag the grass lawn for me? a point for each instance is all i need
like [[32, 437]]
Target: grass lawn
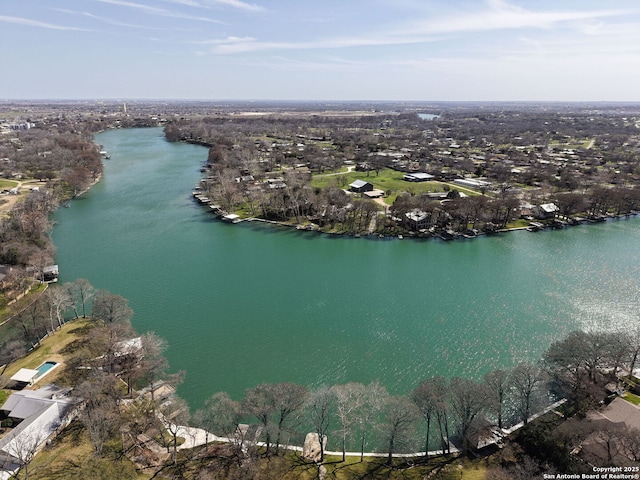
[[631, 398], [520, 223], [71, 455], [375, 467], [7, 312], [50, 349], [7, 184], [386, 179]]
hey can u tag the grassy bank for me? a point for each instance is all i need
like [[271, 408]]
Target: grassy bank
[[51, 348]]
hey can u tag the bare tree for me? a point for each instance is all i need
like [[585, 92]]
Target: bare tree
[[59, 300], [100, 395], [146, 365], [319, 407], [525, 379], [633, 340], [572, 364], [33, 320], [220, 416], [83, 292], [10, 351], [400, 417], [374, 401], [259, 401], [289, 400], [468, 401], [175, 415], [437, 390], [23, 449], [111, 308], [426, 401], [350, 399], [498, 387]]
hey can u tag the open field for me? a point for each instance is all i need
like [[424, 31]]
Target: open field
[[7, 202]]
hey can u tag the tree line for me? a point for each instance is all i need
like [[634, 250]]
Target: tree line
[[263, 166], [68, 163], [459, 410], [440, 416]]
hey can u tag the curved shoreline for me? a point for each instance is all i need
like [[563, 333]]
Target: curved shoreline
[[419, 236]]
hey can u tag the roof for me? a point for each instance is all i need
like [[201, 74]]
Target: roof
[[128, 347], [416, 215], [549, 207], [359, 184], [48, 412], [51, 269], [33, 431], [418, 176], [25, 375], [472, 182], [619, 410], [24, 407], [374, 193], [28, 402]]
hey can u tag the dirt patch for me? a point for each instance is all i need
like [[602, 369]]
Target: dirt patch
[[8, 201]]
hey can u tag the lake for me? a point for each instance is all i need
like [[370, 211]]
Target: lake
[[246, 304]]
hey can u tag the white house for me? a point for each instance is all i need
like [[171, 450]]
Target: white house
[[41, 413]]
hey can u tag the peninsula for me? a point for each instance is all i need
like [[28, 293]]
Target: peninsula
[[446, 170]]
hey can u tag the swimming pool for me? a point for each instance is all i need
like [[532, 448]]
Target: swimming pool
[[45, 368]]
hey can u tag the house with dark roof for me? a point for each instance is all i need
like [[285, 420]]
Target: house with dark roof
[[611, 426], [360, 186]]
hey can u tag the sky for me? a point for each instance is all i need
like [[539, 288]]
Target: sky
[[397, 50]]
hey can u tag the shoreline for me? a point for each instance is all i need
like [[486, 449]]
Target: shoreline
[[445, 237]]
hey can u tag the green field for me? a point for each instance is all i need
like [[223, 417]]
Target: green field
[[386, 179], [391, 181], [7, 184]]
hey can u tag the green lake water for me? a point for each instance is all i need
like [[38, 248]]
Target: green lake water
[[246, 304]]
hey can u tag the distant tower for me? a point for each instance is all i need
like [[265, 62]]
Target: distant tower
[[124, 107]]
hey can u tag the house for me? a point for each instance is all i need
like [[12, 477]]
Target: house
[[472, 183], [38, 414], [50, 273], [546, 210], [276, 183], [360, 186], [417, 219], [607, 446], [418, 177]]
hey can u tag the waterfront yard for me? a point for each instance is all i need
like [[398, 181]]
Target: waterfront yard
[[51, 348], [390, 181]]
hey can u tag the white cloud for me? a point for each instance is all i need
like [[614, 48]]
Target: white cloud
[[158, 11], [499, 16], [234, 44], [107, 20], [502, 16], [209, 3], [35, 23]]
